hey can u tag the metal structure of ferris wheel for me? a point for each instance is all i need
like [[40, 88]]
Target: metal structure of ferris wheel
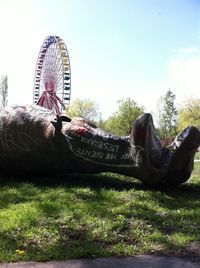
[[52, 82]]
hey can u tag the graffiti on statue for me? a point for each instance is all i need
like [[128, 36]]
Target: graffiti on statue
[[11, 141], [103, 149]]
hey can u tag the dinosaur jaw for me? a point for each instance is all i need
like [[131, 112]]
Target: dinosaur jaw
[[182, 160], [172, 165]]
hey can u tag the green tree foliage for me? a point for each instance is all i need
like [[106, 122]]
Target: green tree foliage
[[167, 115], [84, 108], [121, 122], [189, 114], [4, 90]]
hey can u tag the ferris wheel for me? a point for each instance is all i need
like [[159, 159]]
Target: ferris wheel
[[52, 82]]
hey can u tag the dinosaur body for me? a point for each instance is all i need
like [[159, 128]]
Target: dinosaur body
[[33, 141]]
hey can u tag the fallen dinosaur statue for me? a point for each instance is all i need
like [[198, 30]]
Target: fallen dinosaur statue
[[33, 142]]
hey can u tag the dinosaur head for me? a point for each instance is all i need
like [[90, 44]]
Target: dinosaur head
[[169, 165]]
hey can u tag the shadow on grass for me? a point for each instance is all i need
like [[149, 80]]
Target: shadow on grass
[[106, 181], [126, 212], [95, 181], [21, 189], [32, 186]]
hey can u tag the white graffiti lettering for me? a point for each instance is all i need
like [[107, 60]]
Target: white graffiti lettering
[[110, 156], [114, 148], [126, 156], [88, 153]]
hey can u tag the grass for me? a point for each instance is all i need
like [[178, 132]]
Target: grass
[[197, 156], [96, 215]]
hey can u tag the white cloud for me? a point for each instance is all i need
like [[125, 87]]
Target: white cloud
[[188, 51], [184, 73]]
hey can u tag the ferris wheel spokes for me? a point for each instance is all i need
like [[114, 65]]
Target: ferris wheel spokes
[[52, 85]]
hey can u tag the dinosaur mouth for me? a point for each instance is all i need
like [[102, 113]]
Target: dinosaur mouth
[[176, 158], [144, 135]]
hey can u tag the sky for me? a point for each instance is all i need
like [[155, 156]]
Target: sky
[[117, 48]]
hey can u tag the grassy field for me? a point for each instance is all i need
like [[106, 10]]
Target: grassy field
[[97, 215], [197, 156]]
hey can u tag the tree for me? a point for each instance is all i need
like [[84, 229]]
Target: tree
[[121, 122], [84, 108], [4, 90], [167, 115], [189, 113]]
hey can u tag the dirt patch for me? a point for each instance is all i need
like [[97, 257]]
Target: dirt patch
[[190, 252], [192, 249]]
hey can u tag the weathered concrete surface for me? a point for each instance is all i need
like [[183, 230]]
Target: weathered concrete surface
[[140, 261]]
